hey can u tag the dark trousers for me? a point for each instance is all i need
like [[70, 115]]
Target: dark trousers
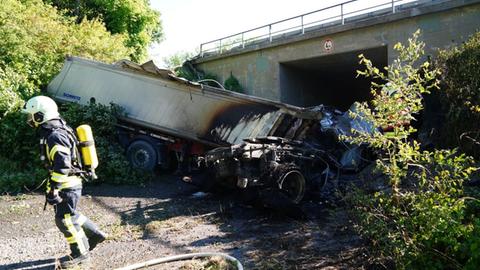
[[76, 227]]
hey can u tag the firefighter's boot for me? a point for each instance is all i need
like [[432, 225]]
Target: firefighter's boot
[[94, 234], [96, 239]]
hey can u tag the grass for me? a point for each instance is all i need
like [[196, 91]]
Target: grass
[[174, 224], [18, 204], [19, 208], [213, 263], [14, 198], [118, 231]]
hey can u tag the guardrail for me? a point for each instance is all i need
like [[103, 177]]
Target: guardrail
[[339, 14]]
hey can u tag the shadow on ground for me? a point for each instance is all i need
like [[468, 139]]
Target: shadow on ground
[[261, 238]]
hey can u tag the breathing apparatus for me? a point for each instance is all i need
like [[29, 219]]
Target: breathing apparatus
[[87, 149]]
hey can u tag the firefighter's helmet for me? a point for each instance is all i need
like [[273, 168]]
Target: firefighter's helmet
[[39, 110]]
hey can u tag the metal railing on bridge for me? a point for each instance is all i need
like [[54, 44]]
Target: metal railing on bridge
[[349, 11]]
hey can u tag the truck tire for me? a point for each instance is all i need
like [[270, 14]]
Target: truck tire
[[291, 182], [142, 155]]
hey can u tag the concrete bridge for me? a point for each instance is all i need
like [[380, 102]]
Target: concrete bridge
[[316, 64]]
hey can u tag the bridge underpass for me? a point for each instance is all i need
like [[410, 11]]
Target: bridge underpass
[[329, 80], [300, 69]]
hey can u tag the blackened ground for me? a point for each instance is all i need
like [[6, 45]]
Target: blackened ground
[[168, 217]]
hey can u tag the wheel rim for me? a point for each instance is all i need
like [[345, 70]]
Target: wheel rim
[[141, 157], [292, 183]]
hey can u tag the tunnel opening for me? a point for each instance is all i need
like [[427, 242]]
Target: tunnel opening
[[330, 80]]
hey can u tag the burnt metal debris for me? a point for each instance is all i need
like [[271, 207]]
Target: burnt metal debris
[[303, 160]]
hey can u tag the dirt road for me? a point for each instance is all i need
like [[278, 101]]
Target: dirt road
[[166, 217]]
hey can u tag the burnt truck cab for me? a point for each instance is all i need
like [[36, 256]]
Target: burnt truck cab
[[268, 163]]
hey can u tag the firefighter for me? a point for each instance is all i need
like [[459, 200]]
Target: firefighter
[[58, 145]]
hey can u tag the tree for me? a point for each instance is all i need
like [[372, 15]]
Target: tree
[[34, 39], [134, 18], [176, 60]]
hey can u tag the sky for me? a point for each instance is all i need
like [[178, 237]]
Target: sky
[[188, 23]]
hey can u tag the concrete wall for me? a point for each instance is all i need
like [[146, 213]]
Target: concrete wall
[[258, 69]]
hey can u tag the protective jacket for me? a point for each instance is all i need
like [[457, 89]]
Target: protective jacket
[[59, 152]]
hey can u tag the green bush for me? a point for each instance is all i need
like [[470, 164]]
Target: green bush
[[424, 224], [183, 68], [188, 72], [12, 87], [17, 140], [15, 178], [460, 95], [418, 219], [20, 164], [233, 84]]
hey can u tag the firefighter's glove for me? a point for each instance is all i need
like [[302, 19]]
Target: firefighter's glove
[[53, 198]]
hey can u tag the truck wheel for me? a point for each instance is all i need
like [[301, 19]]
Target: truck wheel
[[142, 155], [292, 183]]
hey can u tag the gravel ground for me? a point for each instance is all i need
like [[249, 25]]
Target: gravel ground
[[167, 218]]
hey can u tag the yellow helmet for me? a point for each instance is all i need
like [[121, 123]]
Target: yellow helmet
[[40, 109]]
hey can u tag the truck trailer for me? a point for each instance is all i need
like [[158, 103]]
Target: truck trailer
[[241, 141]]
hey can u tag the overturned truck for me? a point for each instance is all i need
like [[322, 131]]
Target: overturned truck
[[242, 141]]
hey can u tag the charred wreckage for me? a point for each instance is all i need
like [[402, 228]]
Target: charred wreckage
[[233, 140], [285, 167]]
